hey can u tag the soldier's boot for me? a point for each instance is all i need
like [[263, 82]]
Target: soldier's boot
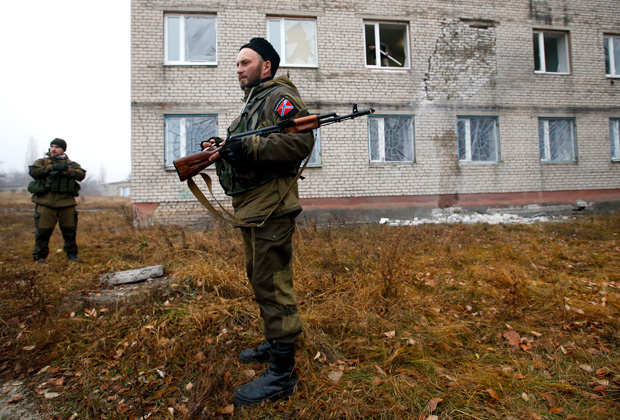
[[41, 243], [258, 354], [70, 247], [278, 381]]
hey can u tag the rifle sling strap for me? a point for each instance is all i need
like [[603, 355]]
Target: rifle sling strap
[[231, 218]]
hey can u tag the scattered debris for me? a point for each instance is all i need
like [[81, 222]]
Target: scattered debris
[[455, 215], [129, 287], [133, 276]]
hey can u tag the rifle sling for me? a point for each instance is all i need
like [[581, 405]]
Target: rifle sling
[[231, 218]]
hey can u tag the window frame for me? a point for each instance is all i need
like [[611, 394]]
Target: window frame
[[382, 149], [406, 48], [614, 68], [183, 149], [614, 138], [547, 141], [281, 49], [182, 61], [468, 145], [541, 51]]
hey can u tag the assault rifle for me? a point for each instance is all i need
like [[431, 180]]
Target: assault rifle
[[190, 165]]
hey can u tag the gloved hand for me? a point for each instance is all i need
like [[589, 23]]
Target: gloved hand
[[235, 155], [63, 166], [212, 142]]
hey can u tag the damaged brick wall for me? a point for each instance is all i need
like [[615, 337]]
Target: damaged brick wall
[[464, 60]]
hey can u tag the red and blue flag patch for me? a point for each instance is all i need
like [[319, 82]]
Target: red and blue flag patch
[[285, 108]]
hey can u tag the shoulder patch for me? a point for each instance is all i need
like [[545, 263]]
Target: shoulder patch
[[285, 108]]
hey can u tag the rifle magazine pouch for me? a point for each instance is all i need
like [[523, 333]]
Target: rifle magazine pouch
[[38, 186]]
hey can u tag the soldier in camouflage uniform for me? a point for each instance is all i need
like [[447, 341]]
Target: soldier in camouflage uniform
[[259, 173], [54, 190]]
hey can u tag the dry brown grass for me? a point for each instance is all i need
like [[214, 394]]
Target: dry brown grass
[[420, 321]]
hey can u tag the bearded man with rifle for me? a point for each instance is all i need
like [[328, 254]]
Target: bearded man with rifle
[[256, 171]]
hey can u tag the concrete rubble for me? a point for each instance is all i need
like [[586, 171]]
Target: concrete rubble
[[453, 215], [128, 287]]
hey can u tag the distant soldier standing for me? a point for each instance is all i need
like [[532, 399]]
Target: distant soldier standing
[[53, 191]]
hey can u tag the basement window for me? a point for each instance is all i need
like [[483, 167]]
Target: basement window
[[614, 137], [295, 41], [386, 44], [612, 55], [551, 52], [190, 39], [184, 133], [556, 140], [477, 139], [390, 138]]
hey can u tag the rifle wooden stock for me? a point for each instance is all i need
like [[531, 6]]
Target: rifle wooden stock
[[190, 165]]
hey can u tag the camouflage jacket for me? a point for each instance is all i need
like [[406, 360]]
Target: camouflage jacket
[[274, 159]]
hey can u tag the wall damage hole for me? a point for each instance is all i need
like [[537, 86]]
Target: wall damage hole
[[478, 23]]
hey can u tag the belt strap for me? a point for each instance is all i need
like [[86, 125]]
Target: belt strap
[[228, 217]]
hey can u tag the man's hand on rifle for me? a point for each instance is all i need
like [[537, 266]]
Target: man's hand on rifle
[[234, 153]]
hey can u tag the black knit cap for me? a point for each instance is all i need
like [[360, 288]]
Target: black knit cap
[[60, 143], [265, 50]]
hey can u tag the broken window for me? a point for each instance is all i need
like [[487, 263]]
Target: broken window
[[184, 133], [294, 40], [478, 139], [391, 138], [612, 55], [386, 44], [556, 140], [190, 39], [551, 52], [614, 137]]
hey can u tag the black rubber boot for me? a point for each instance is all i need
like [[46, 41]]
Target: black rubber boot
[[258, 354], [278, 381]]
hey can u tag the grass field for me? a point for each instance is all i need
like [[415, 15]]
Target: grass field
[[427, 322]]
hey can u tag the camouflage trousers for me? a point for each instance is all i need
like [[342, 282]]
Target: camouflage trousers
[[269, 266], [45, 219]]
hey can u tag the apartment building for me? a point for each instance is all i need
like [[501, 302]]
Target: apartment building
[[478, 104]]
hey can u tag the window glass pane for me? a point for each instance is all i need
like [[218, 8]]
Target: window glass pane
[[172, 139], [373, 128], [543, 139], [606, 41], [315, 158], [185, 133], [614, 136], [557, 140], [392, 40], [371, 55], [173, 53], [555, 53], [461, 129], [398, 136], [616, 53], [273, 33], [551, 54], [483, 139], [562, 43], [536, 52], [391, 139], [300, 42], [199, 39], [561, 140]]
